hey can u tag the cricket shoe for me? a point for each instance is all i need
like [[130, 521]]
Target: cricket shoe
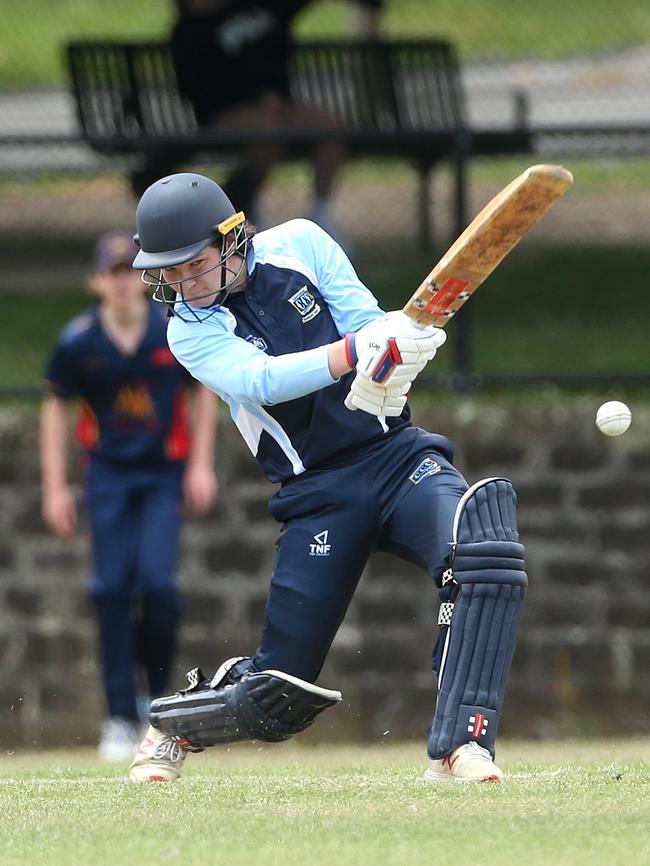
[[468, 763], [159, 758]]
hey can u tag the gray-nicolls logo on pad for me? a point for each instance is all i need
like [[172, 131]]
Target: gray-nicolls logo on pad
[[321, 547], [477, 725]]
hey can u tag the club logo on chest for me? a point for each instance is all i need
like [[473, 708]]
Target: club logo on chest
[[305, 304]]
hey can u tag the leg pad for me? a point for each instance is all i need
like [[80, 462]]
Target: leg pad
[[268, 705], [488, 570]]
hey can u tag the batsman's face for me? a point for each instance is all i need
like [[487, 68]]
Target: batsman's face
[[201, 279]]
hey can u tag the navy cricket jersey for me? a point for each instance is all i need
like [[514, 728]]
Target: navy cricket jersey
[[265, 351], [133, 407]]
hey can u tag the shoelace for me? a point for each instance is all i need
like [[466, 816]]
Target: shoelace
[[168, 749]]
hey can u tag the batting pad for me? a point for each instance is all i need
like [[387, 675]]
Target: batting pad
[[269, 705], [488, 566]]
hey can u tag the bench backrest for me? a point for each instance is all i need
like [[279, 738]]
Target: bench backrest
[[126, 91]]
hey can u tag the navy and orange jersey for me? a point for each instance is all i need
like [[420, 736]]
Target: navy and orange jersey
[[133, 407]]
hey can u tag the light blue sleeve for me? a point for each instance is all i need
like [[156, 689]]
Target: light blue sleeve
[[351, 304], [237, 370]]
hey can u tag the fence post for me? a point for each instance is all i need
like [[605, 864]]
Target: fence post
[[425, 222]]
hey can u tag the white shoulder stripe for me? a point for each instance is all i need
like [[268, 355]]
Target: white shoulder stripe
[[289, 262]]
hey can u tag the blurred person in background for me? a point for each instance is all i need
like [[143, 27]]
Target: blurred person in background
[[231, 59], [147, 430]]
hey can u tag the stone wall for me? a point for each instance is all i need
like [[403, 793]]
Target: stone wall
[[583, 661]]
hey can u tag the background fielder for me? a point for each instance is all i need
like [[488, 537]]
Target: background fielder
[[276, 324], [147, 431]]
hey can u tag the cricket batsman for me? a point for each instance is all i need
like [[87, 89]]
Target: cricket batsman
[[278, 324]]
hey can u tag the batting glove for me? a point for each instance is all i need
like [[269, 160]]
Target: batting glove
[[377, 399], [379, 350]]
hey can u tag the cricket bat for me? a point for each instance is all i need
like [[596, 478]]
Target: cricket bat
[[486, 241]]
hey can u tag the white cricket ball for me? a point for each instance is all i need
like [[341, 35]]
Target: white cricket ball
[[613, 418]]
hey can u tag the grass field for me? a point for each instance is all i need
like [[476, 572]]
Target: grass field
[[607, 175], [34, 33], [569, 804]]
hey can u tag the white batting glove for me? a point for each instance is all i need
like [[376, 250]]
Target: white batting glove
[[376, 399], [381, 348]]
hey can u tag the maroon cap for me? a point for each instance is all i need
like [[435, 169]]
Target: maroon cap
[[113, 249]]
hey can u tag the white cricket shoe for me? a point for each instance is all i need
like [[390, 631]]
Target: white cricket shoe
[[468, 763], [118, 738], [159, 759]]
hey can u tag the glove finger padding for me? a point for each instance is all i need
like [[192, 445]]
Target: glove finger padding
[[373, 391], [377, 399], [401, 374], [428, 342], [413, 352], [418, 351], [391, 407], [382, 365]]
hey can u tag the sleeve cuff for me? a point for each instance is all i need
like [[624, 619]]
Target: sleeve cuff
[[351, 355]]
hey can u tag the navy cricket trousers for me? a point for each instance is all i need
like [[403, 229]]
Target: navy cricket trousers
[[135, 517], [400, 496]]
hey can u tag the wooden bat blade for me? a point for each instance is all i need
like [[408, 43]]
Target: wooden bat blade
[[486, 241]]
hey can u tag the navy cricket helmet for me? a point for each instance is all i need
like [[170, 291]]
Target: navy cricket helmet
[[177, 218]]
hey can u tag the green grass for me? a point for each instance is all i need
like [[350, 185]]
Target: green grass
[[604, 175], [34, 31], [546, 310], [569, 804], [32, 325], [615, 174]]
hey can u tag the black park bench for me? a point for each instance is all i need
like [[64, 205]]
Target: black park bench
[[391, 99]]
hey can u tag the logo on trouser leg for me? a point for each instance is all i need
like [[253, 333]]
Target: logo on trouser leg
[[478, 725], [321, 547]]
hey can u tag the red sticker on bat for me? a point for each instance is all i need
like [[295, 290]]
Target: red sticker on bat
[[445, 295]]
